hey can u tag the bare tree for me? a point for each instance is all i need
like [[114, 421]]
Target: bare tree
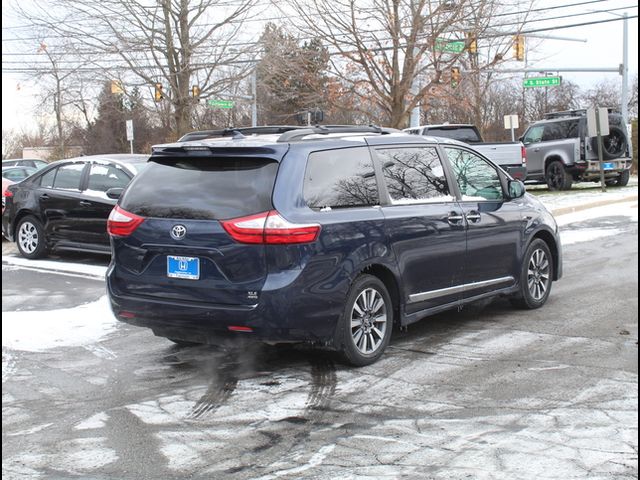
[[13, 141], [174, 43], [392, 52], [60, 87], [607, 94]]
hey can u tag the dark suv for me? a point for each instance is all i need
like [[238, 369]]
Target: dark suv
[[329, 236]]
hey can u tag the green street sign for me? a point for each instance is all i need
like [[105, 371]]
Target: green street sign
[[449, 47], [220, 103], [542, 81]]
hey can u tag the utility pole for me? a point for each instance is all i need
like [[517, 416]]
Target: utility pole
[[624, 97], [254, 105]]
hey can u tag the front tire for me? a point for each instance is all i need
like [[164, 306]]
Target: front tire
[[536, 276], [365, 328], [30, 238]]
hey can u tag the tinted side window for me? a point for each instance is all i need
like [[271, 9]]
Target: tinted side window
[[570, 129], [102, 177], [413, 174], [552, 131], [69, 176], [46, 180], [340, 178], [477, 179]]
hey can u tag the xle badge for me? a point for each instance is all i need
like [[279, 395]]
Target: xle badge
[[252, 295]]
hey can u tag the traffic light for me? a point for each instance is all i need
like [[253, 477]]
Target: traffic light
[[158, 95], [472, 43], [116, 87], [195, 93], [455, 77], [518, 45]]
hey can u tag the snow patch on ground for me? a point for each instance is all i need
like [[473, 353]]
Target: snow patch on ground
[[571, 235], [8, 366], [585, 235], [95, 421], [36, 331], [93, 271], [625, 209], [29, 431]]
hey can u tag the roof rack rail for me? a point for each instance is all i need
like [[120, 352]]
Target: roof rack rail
[[579, 112], [300, 133], [234, 131]]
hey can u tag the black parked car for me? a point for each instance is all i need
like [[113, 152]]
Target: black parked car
[[324, 235], [66, 204]]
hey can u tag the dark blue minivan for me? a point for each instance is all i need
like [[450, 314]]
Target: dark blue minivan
[[330, 236]]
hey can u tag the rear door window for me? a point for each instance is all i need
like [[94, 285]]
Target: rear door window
[[207, 188], [68, 177], [46, 180], [414, 175], [340, 179], [552, 131]]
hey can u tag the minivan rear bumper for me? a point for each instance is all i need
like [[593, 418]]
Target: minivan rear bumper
[[277, 318]]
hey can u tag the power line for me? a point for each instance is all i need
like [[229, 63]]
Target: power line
[[256, 43], [560, 27], [288, 17]]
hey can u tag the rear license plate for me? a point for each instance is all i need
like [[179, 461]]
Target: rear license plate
[[608, 166], [183, 267]]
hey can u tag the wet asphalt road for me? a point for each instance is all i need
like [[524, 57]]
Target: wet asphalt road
[[486, 393]]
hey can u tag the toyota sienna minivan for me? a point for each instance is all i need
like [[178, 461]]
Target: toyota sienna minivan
[[330, 236]]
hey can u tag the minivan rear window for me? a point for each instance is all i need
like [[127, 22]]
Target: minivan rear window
[[202, 188]]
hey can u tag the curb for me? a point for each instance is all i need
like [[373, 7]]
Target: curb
[[586, 206]]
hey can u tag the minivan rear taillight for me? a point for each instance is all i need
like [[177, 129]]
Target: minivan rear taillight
[[269, 228], [122, 223]]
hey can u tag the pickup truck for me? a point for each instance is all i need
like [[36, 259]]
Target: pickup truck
[[510, 156]]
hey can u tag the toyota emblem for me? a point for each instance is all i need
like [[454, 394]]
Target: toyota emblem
[[178, 232]]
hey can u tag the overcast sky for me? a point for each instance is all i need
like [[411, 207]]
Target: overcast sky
[[603, 48]]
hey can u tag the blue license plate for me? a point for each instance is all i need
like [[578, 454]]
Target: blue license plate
[[183, 267], [608, 166]]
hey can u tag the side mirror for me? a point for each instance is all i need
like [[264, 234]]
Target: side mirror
[[115, 192], [516, 189]]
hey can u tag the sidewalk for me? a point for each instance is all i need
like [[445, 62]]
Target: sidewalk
[[584, 196]]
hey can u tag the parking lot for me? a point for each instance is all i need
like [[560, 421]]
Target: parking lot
[[488, 392]]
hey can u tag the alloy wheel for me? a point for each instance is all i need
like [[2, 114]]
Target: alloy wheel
[[538, 274], [28, 237], [368, 321]]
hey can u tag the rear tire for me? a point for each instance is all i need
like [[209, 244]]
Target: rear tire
[[30, 238], [557, 176], [365, 327], [536, 276], [623, 179]]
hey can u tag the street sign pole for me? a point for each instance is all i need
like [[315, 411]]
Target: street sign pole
[[511, 122], [130, 133], [602, 184]]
